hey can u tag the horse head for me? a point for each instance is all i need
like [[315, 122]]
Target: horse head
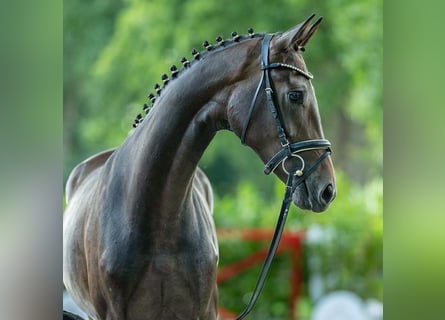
[[294, 119]]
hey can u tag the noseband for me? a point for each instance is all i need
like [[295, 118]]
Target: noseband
[[295, 175]]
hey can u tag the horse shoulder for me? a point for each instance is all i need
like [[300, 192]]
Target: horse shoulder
[[83, 170]]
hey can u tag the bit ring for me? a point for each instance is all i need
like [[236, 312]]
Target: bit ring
[[298, 172]]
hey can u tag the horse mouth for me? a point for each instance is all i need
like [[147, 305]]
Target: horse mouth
[[304, 200]]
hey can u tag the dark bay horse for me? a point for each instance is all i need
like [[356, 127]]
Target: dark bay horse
[[139, 237]]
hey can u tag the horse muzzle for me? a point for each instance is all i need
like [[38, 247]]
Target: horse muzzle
[[314, 199]]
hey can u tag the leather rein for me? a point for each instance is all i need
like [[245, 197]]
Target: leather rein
[[295, 175]]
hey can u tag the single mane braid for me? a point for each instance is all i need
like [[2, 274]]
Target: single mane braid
[[208, 47]]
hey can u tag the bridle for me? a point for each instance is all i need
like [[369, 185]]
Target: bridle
[[295, 175], [287, 149]]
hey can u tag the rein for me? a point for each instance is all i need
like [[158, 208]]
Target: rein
[[295, 175]]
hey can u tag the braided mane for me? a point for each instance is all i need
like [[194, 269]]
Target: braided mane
[[220, 43]]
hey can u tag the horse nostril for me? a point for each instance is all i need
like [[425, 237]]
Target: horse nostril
[[327, 194]]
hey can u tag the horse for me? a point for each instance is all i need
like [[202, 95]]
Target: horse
[[139, 237]]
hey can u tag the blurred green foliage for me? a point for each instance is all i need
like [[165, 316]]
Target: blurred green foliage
[[344, 247], [114, 53]]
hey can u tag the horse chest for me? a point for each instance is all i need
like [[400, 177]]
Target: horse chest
[[179, 279], [195, 256], [177, 285]]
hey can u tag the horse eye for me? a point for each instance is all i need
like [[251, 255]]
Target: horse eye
[[296, 96]]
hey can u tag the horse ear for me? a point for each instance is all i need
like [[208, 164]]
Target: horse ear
[[298, 35], [310, 32]]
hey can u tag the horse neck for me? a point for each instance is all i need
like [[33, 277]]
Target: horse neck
[[163, 152]]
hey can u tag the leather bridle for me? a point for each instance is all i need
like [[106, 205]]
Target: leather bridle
[[295, 175]]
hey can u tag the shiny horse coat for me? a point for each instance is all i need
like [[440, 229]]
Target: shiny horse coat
[[139, 238]]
